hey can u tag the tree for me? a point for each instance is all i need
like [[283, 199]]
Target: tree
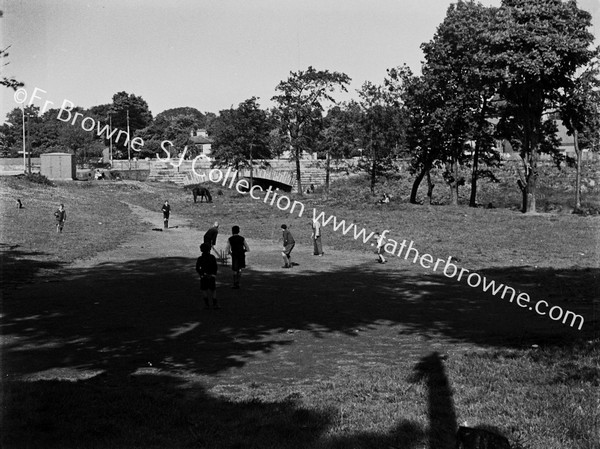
[[458, 61], [424, 136], [300, 106], [538, 45], [339, 135], [128, 112], [383, 128], [580, 113], [241, 134], [195, 117]]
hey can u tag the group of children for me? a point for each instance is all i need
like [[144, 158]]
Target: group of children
[[207, 267], [206, 264]]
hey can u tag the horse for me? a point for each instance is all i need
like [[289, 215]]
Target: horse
[[201, 192]]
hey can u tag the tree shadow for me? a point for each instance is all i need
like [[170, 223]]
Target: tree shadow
[[19, 267], [107, 339]]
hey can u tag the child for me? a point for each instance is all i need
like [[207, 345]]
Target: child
[[288, 246], [206, 266], [61, 217], [237, 247], [381, 241], [166, 210]]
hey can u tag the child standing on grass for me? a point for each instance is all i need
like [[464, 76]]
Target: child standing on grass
[[61, 217], [206, 266], [381, 241], [237, 247]]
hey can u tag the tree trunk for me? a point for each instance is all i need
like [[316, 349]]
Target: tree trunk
[[430, 186], [297, 154], [578, 173], [452, 181], [373, 166], [327, 170], [474, 175], [298, 173], [529, 207], [416, 184]]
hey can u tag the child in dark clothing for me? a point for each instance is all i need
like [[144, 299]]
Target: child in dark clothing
[[206, 266]]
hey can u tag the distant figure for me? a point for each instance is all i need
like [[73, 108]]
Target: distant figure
[[310, 189], [288, 246], [381, 241], [166, 210], [316, 236], [61, 217], [206, 267], [210, 237], [19, 204], [201, 192], [384, 199], [237, 247]]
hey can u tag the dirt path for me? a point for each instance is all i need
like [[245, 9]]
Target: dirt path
[[136, 309]]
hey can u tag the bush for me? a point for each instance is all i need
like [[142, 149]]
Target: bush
[[38, 178]]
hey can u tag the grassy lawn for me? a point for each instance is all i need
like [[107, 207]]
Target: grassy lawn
[[300, 362]]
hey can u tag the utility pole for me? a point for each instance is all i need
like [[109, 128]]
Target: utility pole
[[24, 145], [110, 152], [28, 145], [128, 141], [251, 167]]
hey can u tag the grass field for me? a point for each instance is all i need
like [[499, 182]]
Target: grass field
[[105, 345]]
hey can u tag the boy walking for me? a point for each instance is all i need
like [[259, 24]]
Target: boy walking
[[61, 217], [206, 267], [237, 247], [316, 236], [166, 210], [288, 246], [381, 241]]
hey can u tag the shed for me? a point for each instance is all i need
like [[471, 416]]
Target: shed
[[58, 166]]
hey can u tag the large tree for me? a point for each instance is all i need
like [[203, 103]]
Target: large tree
[[538, 45], [300, 102], [128, 112], [241, 135], [424, 133], [580, 113], [340, 133], [382, 128], [459, 63]]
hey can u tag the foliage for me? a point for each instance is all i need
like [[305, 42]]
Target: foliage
[[38, 178], [130, 113], [382, 126], [300, 104], [458, 65], [538, 45], [241, 134]]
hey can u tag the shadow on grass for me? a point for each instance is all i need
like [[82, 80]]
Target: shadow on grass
[[19, 267], [126, 338]]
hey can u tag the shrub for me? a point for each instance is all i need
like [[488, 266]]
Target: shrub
[[38, 178]]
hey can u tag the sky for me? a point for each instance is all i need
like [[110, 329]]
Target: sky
[[208, 54]]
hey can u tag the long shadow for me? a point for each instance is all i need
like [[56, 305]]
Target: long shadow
[[125, 330], [440, 406]]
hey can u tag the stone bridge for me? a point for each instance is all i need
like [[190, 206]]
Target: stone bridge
[[276, 172]]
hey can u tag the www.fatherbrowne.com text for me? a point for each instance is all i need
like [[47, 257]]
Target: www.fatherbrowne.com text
[[284, 203]]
